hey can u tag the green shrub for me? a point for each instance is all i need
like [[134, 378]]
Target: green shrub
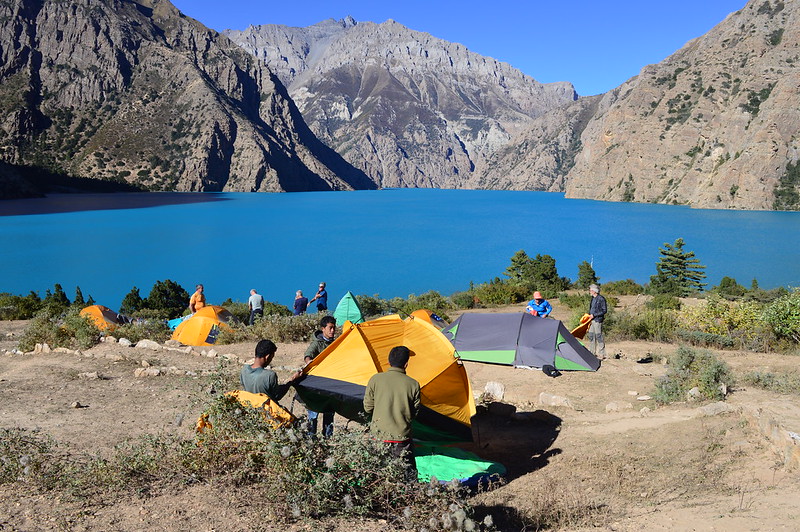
[[462, 300], [168, 297], [704, 339], [70, 330], [690, 368], [372, 306], [664, 302], [576, 301], [743, 321], [431, 300], [14, 307], [150, 329], [628, 287], [786, 383], [783, 316], [652, 324], [500, 292], [276, 328]]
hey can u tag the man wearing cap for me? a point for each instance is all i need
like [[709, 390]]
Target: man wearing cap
[[392, 400], [597, 311], [539, 306]]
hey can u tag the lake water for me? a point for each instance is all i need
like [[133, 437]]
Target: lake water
[[386, 242]]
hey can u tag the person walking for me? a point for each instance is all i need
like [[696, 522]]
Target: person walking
[[256, 305], [321, 340], [597, 312], [321, 297], [392, 400], [300, 303]]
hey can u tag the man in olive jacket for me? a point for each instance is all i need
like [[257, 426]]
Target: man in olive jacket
[[392, 399]]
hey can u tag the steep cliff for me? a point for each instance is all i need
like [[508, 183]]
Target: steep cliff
[[408, 109], [715, 125], [133, 91]]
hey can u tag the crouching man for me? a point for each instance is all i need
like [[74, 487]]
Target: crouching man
[[392, 399], [259, 378]]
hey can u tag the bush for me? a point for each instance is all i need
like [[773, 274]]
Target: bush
[[786, 383], [664, 302], [19, 307], [704, 339], [150, 329], [783, 316], [462, 300], [432, 300], [282, 329], [652, 324], [690, 368], [373, 305], [167, 297], [743, 321], [70, 330], [500, 292], [628, 287], [576, 301]]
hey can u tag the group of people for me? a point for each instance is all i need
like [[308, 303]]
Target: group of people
[[391, 399], [255, 303], [539, 306]]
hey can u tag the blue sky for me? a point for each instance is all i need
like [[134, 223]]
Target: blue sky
[[595, 45]]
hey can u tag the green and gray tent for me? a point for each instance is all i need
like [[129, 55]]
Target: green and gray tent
[[520, 340], [348, 309]]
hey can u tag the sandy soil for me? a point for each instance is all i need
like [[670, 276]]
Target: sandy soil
[[666, 469]]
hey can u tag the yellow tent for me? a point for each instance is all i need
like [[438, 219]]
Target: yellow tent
[[203, 327], [337, 378], [104, 318]]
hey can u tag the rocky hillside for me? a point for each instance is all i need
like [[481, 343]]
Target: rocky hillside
[[715, 125], [133, 91], [408, 109]]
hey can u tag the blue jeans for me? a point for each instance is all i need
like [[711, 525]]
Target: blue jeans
[[327, 423]]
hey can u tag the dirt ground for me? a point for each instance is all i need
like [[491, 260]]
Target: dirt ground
[[598, 456]]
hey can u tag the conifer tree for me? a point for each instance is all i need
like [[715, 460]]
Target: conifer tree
[[79, 301], [586, 275], [678, 272], [131, 302]]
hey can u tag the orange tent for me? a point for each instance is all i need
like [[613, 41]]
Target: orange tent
[[204, 326], [429, 316], [104, 318]]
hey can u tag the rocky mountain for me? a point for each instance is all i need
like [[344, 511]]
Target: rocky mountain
[[715, 125], [408, 109], [135, 92]]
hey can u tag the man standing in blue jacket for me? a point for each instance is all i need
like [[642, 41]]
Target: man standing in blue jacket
[[597, 311]]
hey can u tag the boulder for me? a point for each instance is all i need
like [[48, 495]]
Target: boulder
[[547, 399], [148, 344], [494, 390]]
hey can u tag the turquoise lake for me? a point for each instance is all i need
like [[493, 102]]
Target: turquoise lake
[[388, 242]]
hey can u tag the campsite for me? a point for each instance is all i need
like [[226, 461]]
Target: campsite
[[585, 450]]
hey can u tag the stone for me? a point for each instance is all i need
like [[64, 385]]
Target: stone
[[62, 350], [125, 342], [111, 339], [618, 406], [172, 343], [212, 353], [715, 409], [114, 356], [547, 399], [148, 344], [643, 398], [145, 364], [46, 348], [644, 411], [89, 375], [76, 404], [494, 390], [693, 394], [634, 393]]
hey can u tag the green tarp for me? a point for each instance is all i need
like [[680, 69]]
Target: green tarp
[[453, 463]]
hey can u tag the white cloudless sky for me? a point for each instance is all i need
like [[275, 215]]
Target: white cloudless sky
[[594, 45]]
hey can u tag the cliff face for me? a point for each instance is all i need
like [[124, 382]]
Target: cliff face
[[408, 109], [712, 126], [136, 92]]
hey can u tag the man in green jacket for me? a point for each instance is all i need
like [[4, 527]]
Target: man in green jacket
[[321, 340], [392, 399]]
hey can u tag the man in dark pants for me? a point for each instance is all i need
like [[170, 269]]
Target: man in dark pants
[[597, 310], [392, 399], [322, 339]]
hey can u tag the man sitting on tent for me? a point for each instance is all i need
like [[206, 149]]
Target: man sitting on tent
[[392, 398], [258, 378]]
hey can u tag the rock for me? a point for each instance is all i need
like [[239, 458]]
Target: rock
[[76, 404], [148, 344], [115, 357], [634, 393], [693, 394], [715, 409], [618, 406], [125, 342], [643, 398], [212, 353], [89, 375], [547, 399], [723, 388], [502, 409], [145, 364], [110, 339], [9, 335], [172, 343], [62, 350], [494, 390], [189, 351], [644, 411]]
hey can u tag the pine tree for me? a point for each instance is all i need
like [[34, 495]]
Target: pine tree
[[586, 275], [167, 297], [679, 272], [79, 301], [131, 302]]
